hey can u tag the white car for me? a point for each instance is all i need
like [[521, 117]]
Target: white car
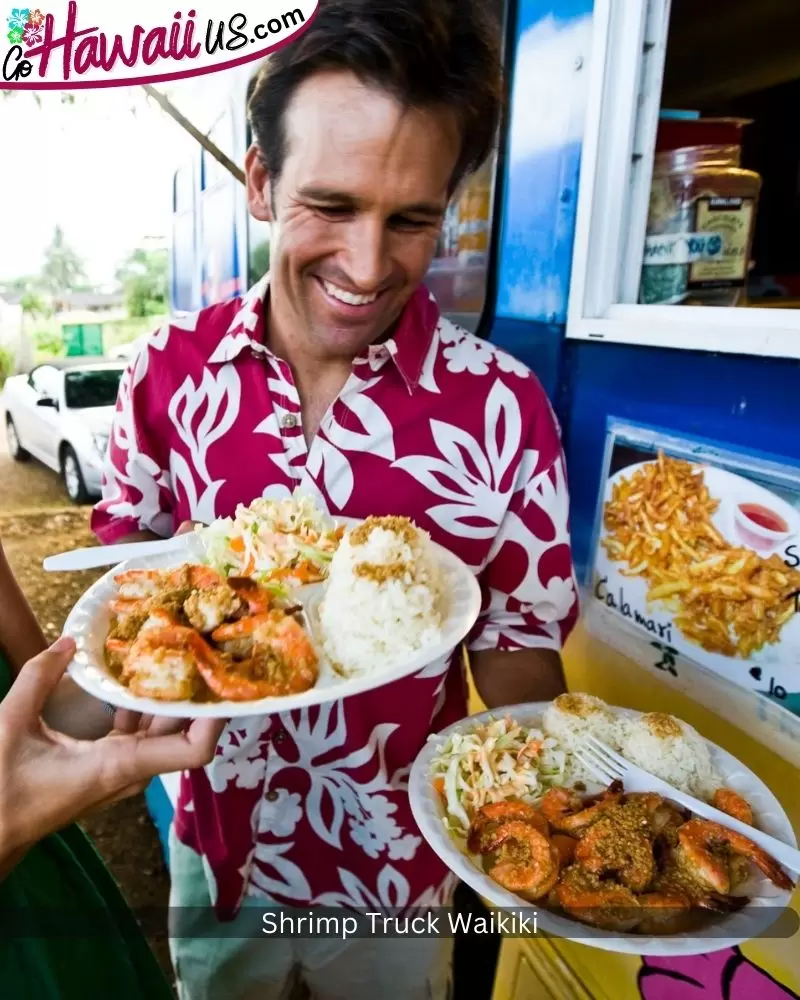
[[61, 414]]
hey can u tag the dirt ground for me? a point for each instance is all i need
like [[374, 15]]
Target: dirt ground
[[36, 520]]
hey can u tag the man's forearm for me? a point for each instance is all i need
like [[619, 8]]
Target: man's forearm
[[138, 536], [517, 676]]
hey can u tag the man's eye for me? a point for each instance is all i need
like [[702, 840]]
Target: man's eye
[[402, 222], [333, 211]]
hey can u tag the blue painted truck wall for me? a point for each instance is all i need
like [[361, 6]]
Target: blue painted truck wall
[[745, 401], [742, 401]]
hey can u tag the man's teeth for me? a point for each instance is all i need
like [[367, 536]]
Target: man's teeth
[[349, 297]]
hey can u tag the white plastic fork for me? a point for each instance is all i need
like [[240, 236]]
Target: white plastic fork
[[610, 766]]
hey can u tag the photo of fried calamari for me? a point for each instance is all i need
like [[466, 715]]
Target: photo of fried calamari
[[727, 599]]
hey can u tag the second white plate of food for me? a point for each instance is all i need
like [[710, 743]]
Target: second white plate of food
[[89, 621], [725, 930]]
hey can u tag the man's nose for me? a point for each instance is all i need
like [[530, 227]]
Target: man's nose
[[366, 254]]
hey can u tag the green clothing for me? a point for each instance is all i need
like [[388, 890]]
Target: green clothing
[[64, 875]]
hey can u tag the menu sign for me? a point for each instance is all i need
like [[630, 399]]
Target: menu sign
[[699, 547]]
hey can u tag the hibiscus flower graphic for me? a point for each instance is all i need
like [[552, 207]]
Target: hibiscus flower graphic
[[36, 18], [18, 19], [32, 35], [15, 36]]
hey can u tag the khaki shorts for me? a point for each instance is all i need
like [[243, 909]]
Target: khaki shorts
[[210, 968]]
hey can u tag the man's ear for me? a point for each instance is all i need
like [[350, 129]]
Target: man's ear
[[259, 188]]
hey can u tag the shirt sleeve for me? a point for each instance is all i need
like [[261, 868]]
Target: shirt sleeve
[[530, 592], [137, 495]]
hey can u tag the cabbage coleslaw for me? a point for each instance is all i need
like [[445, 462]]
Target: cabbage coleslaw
[[500, 759], [281, 544]]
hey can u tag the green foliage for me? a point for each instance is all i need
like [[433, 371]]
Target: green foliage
[[143, 277], [6, 365], [34, 304], [259, 262], [49, 343]]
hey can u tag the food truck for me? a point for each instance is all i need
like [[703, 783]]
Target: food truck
[[634, 242]]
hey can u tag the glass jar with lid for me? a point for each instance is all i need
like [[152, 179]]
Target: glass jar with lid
[[700, 227]]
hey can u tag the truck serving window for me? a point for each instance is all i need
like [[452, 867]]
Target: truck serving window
[[688, 195]]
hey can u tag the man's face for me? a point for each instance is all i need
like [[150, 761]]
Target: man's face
[[358, 208]]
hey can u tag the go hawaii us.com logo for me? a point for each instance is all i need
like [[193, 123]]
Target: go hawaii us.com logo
[[97, 44]]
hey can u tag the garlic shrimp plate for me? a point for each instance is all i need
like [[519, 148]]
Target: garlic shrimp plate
[[191, 634], [516, 800]]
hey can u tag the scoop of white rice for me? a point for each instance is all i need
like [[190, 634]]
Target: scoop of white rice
[[672, 750], [383, 598], [571, 717]]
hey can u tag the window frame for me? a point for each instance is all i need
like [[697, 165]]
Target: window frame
[[49, 373], [626, 75]]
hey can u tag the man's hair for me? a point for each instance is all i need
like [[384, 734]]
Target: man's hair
[[426, 53]]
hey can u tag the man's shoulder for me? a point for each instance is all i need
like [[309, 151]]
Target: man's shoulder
[[503, 383], [197, 333], [465, 354]]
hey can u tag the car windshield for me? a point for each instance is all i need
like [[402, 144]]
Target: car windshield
[[85, 389]]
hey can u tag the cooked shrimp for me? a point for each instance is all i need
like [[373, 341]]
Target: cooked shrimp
[[159, 617], [238, 638], [664, 912], [707, 847], [207, 608], [733, 804], [282, 661], [127, 616], [204, 595], [602, 904], [124, 607], [527, 863], [483, 831], [566, 812], [117, 651], [565, 848], [665, 821], [163, 663], [138, 583], [651, 813], [719, 903], [618, 848], [257, 599]]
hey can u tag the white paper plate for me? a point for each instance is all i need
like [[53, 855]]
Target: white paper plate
[[89, 620], [729, 930]]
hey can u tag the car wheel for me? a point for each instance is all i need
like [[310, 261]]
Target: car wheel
[[15, 449], [73, 477]]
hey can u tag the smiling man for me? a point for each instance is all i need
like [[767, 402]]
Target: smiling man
[[337, 375]]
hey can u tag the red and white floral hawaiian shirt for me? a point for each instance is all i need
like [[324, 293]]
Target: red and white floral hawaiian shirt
[[311, 806]]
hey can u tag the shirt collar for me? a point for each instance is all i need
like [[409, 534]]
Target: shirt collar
[[408, 347]]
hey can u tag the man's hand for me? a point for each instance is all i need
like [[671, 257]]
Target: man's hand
[[513, 677], [149, 536], [188, 526], [48, 780]]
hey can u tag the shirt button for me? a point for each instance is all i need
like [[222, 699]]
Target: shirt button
[[289, 422], [280, 736], [272, 796]]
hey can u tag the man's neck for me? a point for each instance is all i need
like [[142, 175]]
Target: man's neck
[[318, 379], [307, 365]]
